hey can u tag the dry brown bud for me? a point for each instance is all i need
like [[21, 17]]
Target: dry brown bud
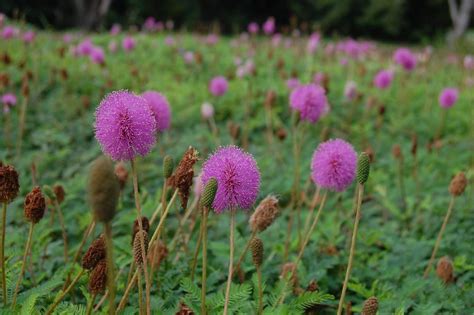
[[59, 193], [137, 247], [445, 270], [95, 253], [265, 214], [98, 278], [182, 179], [9, 185], [458, 184], [34, 205]]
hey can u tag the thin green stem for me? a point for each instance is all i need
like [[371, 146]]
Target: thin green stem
[[352, 250], [63, 294], [23, 264], [196, 252], [2, 254], [90, 305], [142, 240], [440, 235], [205, 212], [110, 267], [63, 229], [140, 292], [247, 246], [260, 291], [231, 261]]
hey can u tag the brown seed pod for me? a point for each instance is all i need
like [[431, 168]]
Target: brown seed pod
[[157, 253], [59, 193], [445, 270], [98, 278], [122, 173], [270, 99], [312, 286], [458, 184], [9, 185], [136, 227], [103, 189], [184, 310], [288, 269], [397, 152], [414, 144], [95, 253], [182, 179], [137, 248], [256, 247], [265, 214], [371, 306], [281, 134], [34, 205]]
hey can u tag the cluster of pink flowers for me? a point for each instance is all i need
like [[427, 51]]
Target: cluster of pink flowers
[[87, 48], [405, 58], [354, 49], [9, 32]]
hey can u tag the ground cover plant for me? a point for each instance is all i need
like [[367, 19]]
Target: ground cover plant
[[155, 171]]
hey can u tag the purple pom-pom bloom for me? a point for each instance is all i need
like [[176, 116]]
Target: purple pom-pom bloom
[[269, 26], [334, 165], [124, 126], [253, 28], [405, 58], [310, 100], [161, 109], [237, 175], [383, 79], [128, 43], [448, 97], [218, 86], [97, 55]]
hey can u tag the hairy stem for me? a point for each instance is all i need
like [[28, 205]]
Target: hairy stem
[[247, 246], [64, 293], [231, 261], [23, 264], [205, 212], [110, 267]]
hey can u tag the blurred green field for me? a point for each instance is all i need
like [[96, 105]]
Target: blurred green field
[[394, 241]]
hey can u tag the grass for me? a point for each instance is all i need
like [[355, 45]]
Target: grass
[[394, 241]]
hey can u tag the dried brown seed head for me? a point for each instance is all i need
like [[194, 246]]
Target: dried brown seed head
[[98, 278], [95, 253], [458, 184], [270, 99], [445, 270], [184, 310], [59, 193], [286, 270], [371, 306], [281, 133], [136, 227], [182, 179], [256, 247], [157, 253], [9, 185], [397, 152], [265, 214], [312, 286], [137, 248], [414, 144], [34, 205]]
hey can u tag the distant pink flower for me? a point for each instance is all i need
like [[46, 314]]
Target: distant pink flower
[[237, 175], [469, 62], [313, 43], [269, 26], [207, 110], [85, 47], [29, 37], [276, 39], [169, 41], [448, 97], [405, 58], [218, 86], [113, 47], [124, 126], [161, 109], [9, 32], [253, 28], [333, 165], [329, 49], [188, 57], [149, 24], [212, 39], [128, 43], [310, 101], [292, 83], [8, 100], [97, 55], [350, 90], [115, 29], [383, 79], [67, 38]]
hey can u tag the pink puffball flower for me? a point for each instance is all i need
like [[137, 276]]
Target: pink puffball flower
[[29, 37], [115, 29], [350, 90], [212, 39], [448, 97], [292, 83], [150, 24], [313, 43], [253, 28], [405, 58], [113, 47], [97, 56], [334, 165], [188, 57], [169, 41], [237, 175], [276, 39], [218, 86], [469, 62], [311, 101], [207, 111], [124, 126], [160, 107], [67, 38], [9, 32], [128, 43], [383, 79], [8, 100], [85, 47], [269, 26]]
